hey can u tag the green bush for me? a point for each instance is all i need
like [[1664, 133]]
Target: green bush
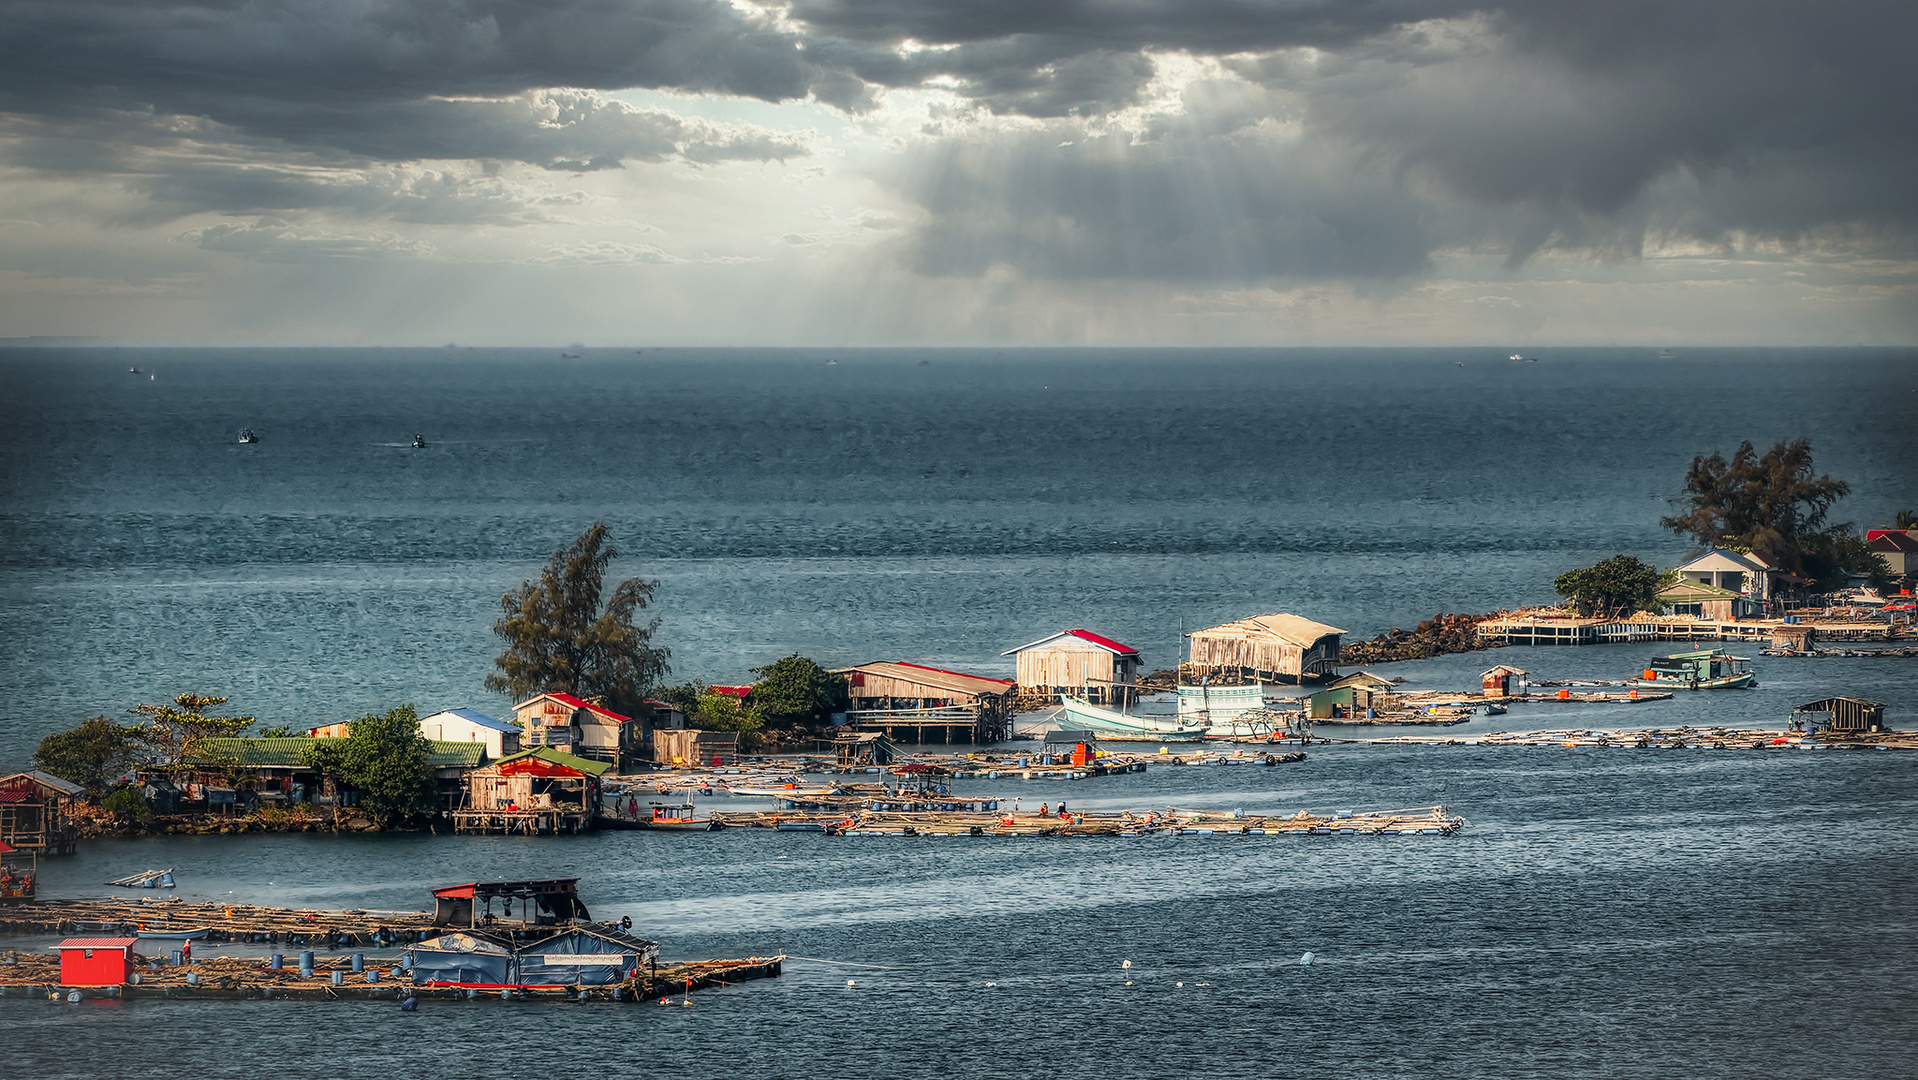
[[127, 805]]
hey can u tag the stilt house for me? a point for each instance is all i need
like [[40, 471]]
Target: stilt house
[[1078, 662], [1277, 648]]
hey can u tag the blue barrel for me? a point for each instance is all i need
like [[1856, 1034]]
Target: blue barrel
[[339, 977], [306, 963], [275, 962], [372, 975], [178, 959], [359, 963], [193, 978]]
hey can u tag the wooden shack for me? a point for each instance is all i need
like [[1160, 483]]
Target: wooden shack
[[1704, 601], [1277, 648], [1503, 681], [862, 748], [35, 813], [693, 748], [1842, 714], [100, 961], [914, 702], [580, 727], [1079, 662], [542, 790]]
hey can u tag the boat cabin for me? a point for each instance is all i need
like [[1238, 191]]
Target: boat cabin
[[541, 903], [673, 814]]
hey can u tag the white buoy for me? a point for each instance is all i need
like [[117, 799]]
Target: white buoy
[[1179, 984], [1127, 964], [849, 982], [1306, 960], [990, 985]]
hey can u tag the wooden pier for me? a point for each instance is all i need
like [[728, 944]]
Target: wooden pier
[[1553, 629], [521, 822]]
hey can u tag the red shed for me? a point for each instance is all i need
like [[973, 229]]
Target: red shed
[[96, 961]]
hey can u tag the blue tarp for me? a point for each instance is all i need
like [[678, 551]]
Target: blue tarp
[[461, 958], [577, 958]]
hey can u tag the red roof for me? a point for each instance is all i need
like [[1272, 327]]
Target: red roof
[[98, 943], [961, 674], [1104, 642], [577, 703], [739, 692]]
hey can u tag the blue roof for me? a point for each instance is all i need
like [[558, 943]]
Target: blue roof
[[478, 717]]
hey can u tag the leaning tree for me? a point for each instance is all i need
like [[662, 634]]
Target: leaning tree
[[561, 636]]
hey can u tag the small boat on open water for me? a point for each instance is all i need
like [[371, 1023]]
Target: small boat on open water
[[668, 817], [1703, 669]]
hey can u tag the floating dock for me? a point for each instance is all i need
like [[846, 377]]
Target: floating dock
[[1428, 821], [304, 927], [333, 979]]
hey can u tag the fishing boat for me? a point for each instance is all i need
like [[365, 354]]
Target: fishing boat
[[1145, 727], [247, 436], [419, 442], [146, 879], [784, 791], [1703, 669], [678, 818], [1230, 712], [190, 934]]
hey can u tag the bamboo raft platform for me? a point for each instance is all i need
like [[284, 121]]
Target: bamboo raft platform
[[226, 922], [237, 978], [1684, 738], [1429, 820]]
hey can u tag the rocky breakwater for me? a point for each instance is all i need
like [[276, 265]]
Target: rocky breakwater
[[1436, 636]]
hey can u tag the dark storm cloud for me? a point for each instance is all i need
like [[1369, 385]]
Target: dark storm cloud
[[1186, 205], [1438, 121]]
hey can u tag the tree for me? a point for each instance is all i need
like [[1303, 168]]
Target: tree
[[559, 638], [90, 755], [724, 712], [796, 687], [385, 759], [1772, 505], [1905, 519], [169, 732], [1621, 585], [127, 805]]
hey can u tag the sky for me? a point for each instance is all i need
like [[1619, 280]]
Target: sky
[[937, 172]]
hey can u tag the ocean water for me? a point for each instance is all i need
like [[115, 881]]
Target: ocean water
[[938, 506], [1607, 913]]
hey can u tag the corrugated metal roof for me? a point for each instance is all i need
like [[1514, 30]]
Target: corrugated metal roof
[[577, 703], [938, 678], [98, 943], [289, 752], [475, 716], [558, 757], [1291, 629], [1687, 589], [1084, 635]]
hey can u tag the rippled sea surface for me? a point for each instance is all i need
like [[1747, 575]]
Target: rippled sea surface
[[1609, 913]]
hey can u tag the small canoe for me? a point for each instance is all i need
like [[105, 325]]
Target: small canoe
[[194, 934]]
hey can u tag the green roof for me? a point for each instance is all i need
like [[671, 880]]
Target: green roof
[[290, 752], [1688, 590], [559, 757]]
